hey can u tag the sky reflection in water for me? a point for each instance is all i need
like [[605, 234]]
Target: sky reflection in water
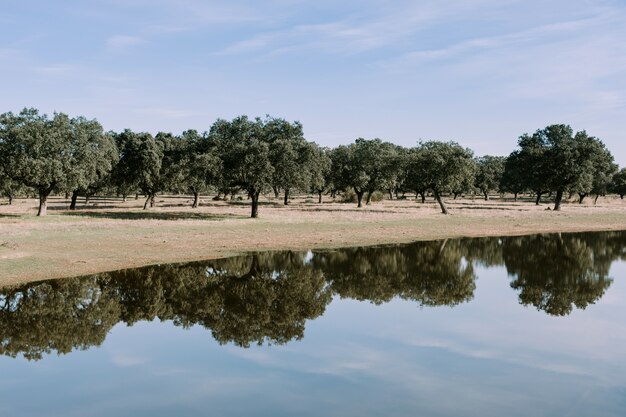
[[431, 328]]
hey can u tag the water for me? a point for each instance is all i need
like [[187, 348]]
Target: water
[[516, 326]]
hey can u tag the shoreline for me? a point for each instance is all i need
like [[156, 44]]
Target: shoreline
[[108, 238]]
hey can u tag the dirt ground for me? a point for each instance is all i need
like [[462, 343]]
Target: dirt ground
[[108, 234]]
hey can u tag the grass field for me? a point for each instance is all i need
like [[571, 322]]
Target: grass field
[[109, 234]]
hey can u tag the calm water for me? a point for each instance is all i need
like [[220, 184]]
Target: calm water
[[517, 326]]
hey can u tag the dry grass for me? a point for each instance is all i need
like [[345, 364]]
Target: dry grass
[[109, 234]]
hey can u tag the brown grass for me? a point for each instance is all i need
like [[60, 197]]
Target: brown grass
[[109, 234]]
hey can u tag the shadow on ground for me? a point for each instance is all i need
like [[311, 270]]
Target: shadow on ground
[[152, 215]]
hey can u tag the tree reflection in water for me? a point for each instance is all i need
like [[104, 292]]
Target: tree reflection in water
[[267, 298]]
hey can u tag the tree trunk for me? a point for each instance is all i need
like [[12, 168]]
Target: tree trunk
[[255, 204], [152, 200], [368, 199], [123, 198], [390, 194], [622, 196], [538, 199], [196, 199], [486, 194], [596, 200], [359, 198], [10, 196], [145, 205], [319, 193], [515, 197], [275, 192], [423, 195], [43, 203], [557, 200], [455, 196], [74, 198], [444, 210], [87, 198], [582, 197], [137, 196], [286, 199]]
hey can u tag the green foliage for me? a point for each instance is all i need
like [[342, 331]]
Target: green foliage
[[513, 177], [554, 159], [245, 152], [365, 166], [290, 155], [319, 167], [350, 196], [440, 167], [53, 154], [490, 170], [618, 184], [199, 163]]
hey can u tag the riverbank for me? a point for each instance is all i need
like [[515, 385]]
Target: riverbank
[[108, 235]]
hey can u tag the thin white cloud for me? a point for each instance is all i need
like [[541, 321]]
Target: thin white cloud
[[123, 42]]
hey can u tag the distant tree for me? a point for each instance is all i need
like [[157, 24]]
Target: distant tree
[[139, 166], [365, 166], [289, 155], [447, 166], [43, 153], [530, 160], [415, 176], [8, 187], [513, 180], [566, 164], [94, 157], [601, 167], [466, 186], [200, 164], [319, 166], [246, 155], [618, 184], [490, 170]]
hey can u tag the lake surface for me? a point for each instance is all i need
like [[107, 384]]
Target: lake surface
[[515, 326]]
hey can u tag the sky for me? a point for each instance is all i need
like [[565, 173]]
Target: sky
[[479, 72]]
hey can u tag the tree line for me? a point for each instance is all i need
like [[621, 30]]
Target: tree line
[[44, 155], [268, 297]]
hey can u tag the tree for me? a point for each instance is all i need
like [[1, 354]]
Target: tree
[[95, 155], [246, 156], [444, 166], [200, 164], [597, 179], [320, 169], [416, 172], [618, 185], [289, 154], [8, 187], [140, 164], [513, 180], [490, 170], [365, 166], [43, 153], [529, 159], [566, 164]]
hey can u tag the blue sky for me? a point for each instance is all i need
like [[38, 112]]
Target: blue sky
[[480, 72]]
